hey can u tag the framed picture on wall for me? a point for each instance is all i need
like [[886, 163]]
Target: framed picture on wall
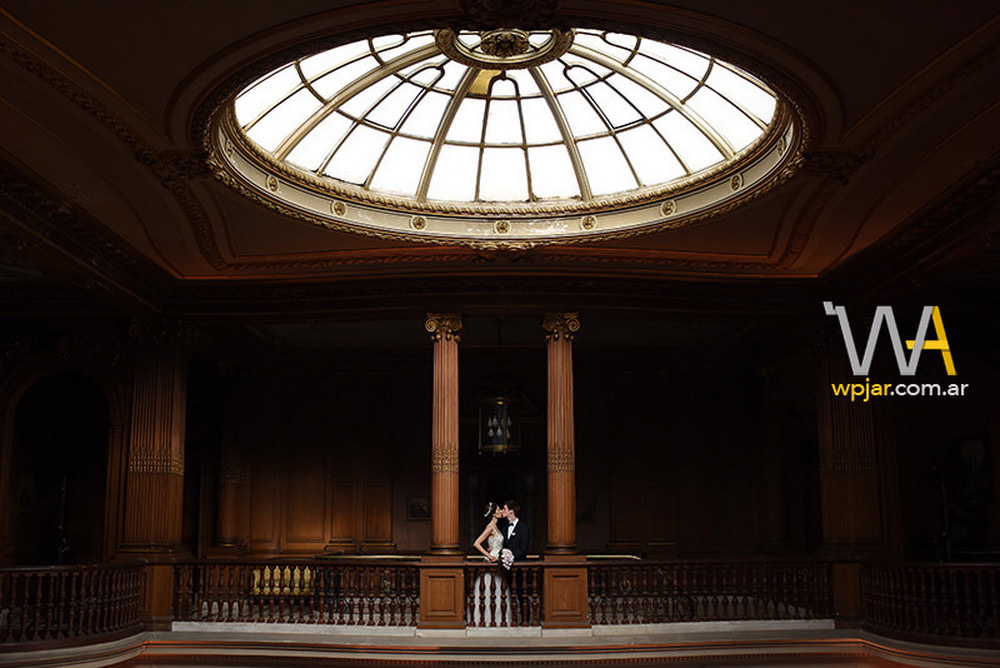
[[418, 508]]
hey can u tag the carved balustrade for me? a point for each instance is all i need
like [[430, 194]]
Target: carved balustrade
[[356, 593], [59, 603], [496, 597], [639, 592], [934, 602]]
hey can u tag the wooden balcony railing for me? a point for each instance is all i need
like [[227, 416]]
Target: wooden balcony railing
[[496, 597], [57, 603], [946, 603], [956, 601], [660, 592], [362, 593]]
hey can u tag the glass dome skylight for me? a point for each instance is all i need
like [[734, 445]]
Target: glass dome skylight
[[530, 125]]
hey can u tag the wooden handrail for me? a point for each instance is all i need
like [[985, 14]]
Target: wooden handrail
[[497, 597], [641, 592], [923, 601], [936, 601], [360, 592], [62, 603]]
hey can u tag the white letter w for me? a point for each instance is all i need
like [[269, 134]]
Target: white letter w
[[882, 314]]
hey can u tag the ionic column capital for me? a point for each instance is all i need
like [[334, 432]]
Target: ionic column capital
[[169, 330], [443, 326], [561, 326]]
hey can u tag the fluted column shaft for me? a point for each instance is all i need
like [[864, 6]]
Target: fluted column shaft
[[155, 465], [560, 328], [444, 329], [852, 504]]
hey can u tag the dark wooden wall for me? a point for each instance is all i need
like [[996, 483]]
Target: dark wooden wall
[[674, 457]]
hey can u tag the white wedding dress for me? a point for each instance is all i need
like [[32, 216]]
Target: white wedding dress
[[491, 602]]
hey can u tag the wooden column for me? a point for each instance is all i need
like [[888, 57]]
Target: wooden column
[[565, 578], [444, 328], [851, 498], [442, 580], [849, 471], [154, 476], [560, 328]]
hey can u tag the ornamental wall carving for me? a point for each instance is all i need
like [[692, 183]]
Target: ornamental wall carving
[[156, 462], [445, 461], [561, 461]]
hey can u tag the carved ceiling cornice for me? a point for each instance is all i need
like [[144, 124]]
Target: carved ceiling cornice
[[394, 296], [911, 251], [838, 165], [172, 168], [922, 100], [101, 261], [527, 14]]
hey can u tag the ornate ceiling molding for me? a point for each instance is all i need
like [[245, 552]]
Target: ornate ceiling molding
[[104, 261], [171, 168], [774, 161], [971, 212], [486, 14], [175, 170]]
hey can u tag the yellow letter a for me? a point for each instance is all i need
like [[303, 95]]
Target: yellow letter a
[[940, 344]]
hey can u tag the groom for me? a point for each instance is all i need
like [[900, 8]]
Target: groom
[[517, 533]]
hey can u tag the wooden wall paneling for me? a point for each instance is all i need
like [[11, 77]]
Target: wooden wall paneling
[[628, 507], [343, 516], [378, 515], [305, 499], [264, 504]]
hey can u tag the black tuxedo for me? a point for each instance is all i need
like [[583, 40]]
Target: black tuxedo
[[520, 541]]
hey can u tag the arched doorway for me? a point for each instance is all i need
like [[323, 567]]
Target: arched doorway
[[59, 469]]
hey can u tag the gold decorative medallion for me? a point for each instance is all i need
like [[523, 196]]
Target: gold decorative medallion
[[668, 208], [736, 182], [588, 223], [502, 226], [272, 183], [418, 223], [503, 49], [338, 207]]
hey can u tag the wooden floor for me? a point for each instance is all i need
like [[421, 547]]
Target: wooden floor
[[706, 644], [236, 662]]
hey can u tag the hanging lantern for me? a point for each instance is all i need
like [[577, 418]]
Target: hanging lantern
[[498, 430]]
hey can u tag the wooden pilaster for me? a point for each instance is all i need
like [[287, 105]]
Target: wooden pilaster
[[154, 476], [444, 329], [560, 328]]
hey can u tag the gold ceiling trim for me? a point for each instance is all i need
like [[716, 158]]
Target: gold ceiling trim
[[503, 49], [238, 162], [234, 139]]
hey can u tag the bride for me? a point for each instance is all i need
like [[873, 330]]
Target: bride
[[490, 597]]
